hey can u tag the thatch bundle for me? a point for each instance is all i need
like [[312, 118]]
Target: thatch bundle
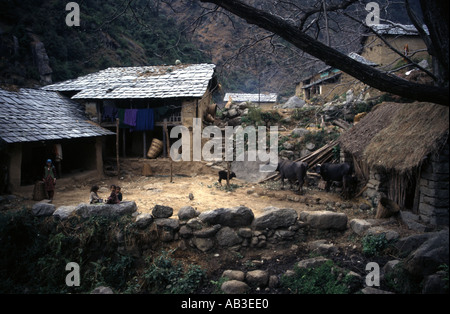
[[397, 136], [395, 139]]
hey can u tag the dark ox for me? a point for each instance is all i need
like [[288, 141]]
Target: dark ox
[[223, 176], [293, 171], [338, 173]]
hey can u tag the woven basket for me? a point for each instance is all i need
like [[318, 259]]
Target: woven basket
[[155, 148]]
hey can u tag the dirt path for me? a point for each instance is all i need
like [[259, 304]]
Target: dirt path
[[198, 179]]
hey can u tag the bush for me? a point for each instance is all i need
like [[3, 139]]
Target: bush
[[373, 245], [325, 279], [165, 275]]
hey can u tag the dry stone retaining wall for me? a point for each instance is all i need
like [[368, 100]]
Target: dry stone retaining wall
[[223, 227]]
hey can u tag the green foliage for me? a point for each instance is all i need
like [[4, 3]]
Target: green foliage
[[360, 107], [35, 251], [271, 116], [165, 275], [254, 116], [324, 279], [109, 35], [373, 245]]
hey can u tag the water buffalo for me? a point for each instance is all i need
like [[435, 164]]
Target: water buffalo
[[293, 171], [339, 173], [223, 176]]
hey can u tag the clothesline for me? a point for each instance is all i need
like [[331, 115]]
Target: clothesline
[[135, 119]]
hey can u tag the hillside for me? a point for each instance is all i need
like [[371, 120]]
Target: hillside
[[36, 45], [108, 36]]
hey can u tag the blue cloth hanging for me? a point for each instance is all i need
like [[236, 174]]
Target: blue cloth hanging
[[145, 120]]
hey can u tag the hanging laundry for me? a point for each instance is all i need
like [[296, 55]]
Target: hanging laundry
[[121, 117], [109, 114], [130, 117], [145, 120]]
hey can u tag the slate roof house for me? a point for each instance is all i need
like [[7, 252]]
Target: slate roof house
[[35, 122], [401, 152], [331, 82], [144, 99], [263, 100]]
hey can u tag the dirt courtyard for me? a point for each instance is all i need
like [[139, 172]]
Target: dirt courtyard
[[197, 178]]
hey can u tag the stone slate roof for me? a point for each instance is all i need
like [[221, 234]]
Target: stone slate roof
[[31, 115], [236, 97], [141, 82], [397, 29]]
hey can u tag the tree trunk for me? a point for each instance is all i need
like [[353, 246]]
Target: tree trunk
[[366, 74]]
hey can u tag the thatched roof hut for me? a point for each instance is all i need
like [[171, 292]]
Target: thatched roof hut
[[398, 140]]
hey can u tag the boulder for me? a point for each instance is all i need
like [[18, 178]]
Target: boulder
[[324, 219], [276, 218], [312, 262], [231, 217], [227, 237], [234, 275], [389, 234], [293, 102], [257, 278], [234, 287], [168, 223], [299, 132], [360, 226], [411, 221], [187, 212], [429, 256], [207, 232], [203, 244], [102, 290], [435, 284], [63, 212], [107, 210], [144, 220], [43, 209], [160, 211], [408, 244], [371, 290], [195, 224]]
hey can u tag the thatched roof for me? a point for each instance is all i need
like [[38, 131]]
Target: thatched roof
[[397, 136]]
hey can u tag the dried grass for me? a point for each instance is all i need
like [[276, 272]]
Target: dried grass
[[398, 137]]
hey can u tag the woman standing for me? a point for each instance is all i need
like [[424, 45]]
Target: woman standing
[[49, 179]]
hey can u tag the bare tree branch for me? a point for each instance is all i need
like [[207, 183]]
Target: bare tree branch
[[364, 73]]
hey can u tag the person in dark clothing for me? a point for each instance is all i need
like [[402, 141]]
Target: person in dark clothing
[[119, 193], [112, 199], [49, 179]]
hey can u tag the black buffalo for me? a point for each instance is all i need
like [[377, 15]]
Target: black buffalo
[[293, 171], [337, 173], [223, 176]]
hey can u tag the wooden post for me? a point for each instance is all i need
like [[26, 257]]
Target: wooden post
[[167, 143], [171, 171], [228, 174], [117, 147], [144, 144]]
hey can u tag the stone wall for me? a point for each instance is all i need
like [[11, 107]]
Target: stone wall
[[434, 189], [222, 227]]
